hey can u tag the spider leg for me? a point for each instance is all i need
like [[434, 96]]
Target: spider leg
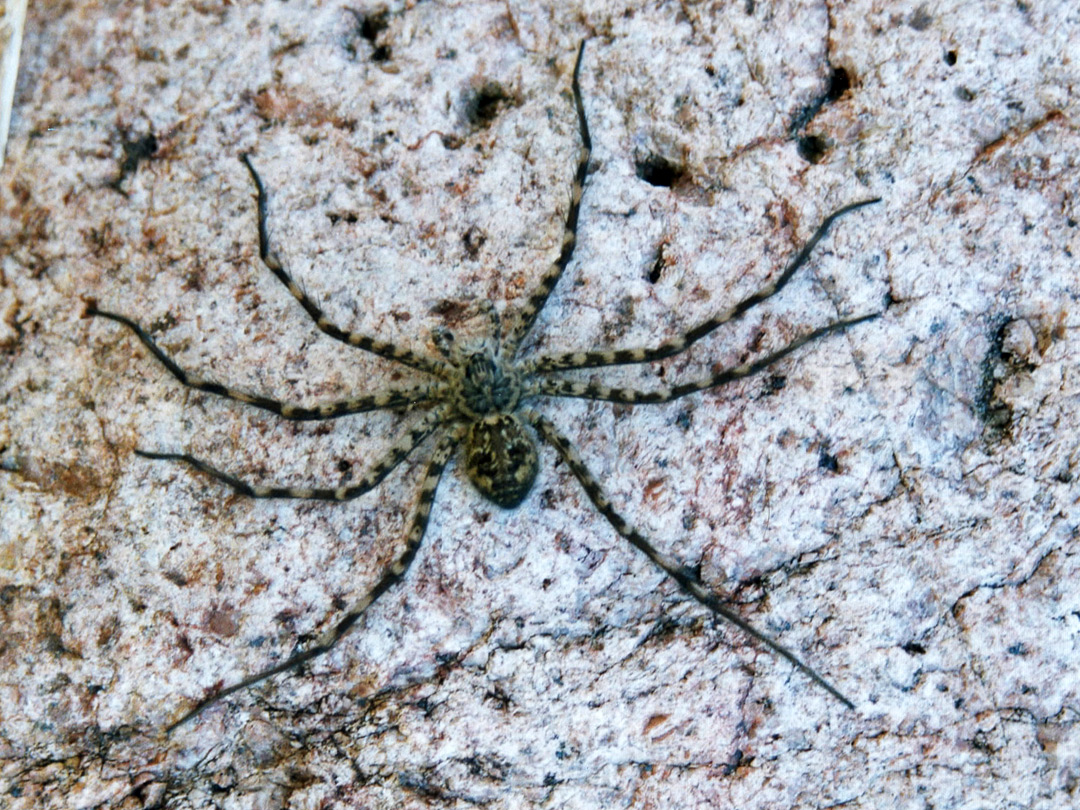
[[592, 390], [389, 399], [372, 478], [539, 297], [618, 357], [390, 577], [686, 579], [375, 346]]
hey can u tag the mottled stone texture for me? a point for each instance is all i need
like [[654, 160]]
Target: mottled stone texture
[[898, 504]]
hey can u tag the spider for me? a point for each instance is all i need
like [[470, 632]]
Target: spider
[[476, 399]]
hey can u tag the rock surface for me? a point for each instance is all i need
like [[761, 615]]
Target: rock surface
[[898, 504]]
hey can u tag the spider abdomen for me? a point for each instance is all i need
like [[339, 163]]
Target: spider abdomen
[[500, 459]]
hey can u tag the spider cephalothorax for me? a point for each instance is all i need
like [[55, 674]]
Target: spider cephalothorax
[[482, 400], [487, 385]]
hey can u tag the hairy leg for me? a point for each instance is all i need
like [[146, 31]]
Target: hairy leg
[[375, 346], [592, 390], [372, 478], [686, 579], [389, 399], [539, 297], [390, 577], [618, 357]]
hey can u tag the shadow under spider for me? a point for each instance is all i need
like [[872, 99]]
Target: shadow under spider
[[476, 399]]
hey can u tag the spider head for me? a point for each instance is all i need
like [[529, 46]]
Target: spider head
[[500, 459]]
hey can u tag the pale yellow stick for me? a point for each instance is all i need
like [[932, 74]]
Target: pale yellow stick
[[12, 17]]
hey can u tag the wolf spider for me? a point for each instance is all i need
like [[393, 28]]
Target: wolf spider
[[476, 398]]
